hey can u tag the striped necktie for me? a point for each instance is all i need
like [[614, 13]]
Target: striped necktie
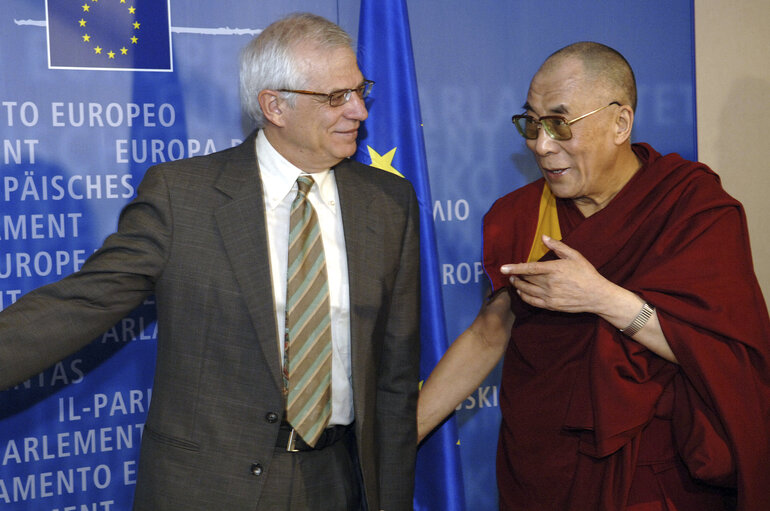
[[308, 342]]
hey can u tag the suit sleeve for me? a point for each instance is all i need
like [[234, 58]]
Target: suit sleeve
[[397, 385], [56, 320]]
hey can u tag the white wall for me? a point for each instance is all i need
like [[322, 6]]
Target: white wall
[[732, 57]]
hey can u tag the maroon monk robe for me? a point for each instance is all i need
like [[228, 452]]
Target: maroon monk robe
[[592, 420]]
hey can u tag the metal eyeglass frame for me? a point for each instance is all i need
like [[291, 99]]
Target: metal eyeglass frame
[[547, 122], [338, 97]]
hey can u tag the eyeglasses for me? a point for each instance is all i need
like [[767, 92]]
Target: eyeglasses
[[338, 97], [557, 127]]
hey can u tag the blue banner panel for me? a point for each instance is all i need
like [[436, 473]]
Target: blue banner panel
[[109, 34], [474, 62], [393, 141], [78, 130]]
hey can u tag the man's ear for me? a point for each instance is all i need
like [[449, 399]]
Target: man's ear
[[272, 106], [624, 121]]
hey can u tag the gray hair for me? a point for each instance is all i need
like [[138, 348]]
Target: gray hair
[[270, 61]]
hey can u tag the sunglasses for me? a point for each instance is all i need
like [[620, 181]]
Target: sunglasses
[[557, 127], [338, 97]]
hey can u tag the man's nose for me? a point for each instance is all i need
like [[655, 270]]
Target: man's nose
[[543, 144], [355, 108]]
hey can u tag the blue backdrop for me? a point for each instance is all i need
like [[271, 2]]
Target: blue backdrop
[[79, 128]]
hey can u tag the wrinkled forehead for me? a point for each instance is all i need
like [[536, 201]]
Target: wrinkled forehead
[[330, 68], [560, 89]]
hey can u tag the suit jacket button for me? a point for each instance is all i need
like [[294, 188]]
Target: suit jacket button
[[271, 417], [256, 469]]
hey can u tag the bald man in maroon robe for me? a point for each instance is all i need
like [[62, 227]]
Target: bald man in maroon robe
[[635, 337]]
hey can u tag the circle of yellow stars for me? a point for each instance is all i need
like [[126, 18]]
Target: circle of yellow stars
[[98, 50]]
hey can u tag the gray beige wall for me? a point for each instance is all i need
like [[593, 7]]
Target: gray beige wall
[[732, 59]]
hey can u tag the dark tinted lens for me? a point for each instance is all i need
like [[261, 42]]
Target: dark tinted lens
[[557, 127], [526, 125]]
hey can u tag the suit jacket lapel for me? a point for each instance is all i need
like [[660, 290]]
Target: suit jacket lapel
[[241, 223], [356, 208]]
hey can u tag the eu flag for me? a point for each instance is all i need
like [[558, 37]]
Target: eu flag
[[130, 35], [393, 141]]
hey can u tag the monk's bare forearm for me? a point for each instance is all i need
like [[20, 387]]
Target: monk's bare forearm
[[621, 307], [469, 359]]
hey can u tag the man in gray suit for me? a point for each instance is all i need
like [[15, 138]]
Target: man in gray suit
[[208, 236]]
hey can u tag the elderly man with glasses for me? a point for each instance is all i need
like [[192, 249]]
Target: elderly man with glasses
[[635, 335], [287, 285]]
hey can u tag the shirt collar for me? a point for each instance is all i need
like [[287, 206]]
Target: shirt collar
[[279, 175]]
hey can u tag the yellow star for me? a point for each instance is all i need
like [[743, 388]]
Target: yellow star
[[86, 7], [134, 40], [122, 1], [98, 50], [136, 25], [82, 22], [86, 38], [132, 10], [124, 51], [384, 161], [111, 54]]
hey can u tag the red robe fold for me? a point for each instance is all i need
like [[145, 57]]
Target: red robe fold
[[593, 420]]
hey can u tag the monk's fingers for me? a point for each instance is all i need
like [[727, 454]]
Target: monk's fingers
[[537, 268], [565, 252], [550, 293], [531, 285]]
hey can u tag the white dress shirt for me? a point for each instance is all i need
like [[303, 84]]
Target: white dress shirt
[[279, 182]]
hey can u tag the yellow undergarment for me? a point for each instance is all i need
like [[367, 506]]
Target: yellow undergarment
[[547, 223]]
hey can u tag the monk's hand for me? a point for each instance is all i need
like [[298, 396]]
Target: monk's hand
[[568, 284]]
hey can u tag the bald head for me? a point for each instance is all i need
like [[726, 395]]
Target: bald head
[[602, 65], [591, 84]]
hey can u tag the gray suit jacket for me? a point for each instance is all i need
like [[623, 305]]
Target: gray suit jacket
[[195, 237]]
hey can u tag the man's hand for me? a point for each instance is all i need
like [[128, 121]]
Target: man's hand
[[572, 284], [568, 284]]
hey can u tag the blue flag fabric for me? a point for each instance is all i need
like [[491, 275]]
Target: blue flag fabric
[[109, 34], [392, 140]]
